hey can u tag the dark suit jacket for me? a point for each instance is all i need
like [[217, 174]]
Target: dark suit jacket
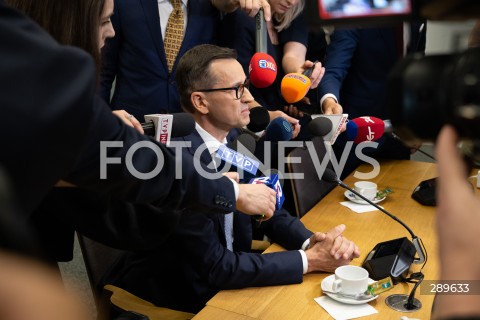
[[53, 127], [194, 264], [47, 107], [357, 64], [136, 55]]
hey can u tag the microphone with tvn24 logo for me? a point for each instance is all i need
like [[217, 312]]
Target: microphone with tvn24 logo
[[163, 127]]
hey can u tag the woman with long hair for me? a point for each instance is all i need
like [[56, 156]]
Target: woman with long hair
[[81, 23], [62, 19], [286, 43]]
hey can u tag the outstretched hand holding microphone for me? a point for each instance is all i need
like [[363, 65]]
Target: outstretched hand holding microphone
[[295, 85]]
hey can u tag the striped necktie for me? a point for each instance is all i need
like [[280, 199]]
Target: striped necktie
[[174, 33]]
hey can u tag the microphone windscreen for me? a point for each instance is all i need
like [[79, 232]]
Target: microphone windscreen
[[262, 70], [247, 141], [352, 130], [280, 176], [294, 87], [259, 119], [182, 124], [148, 128], [320, 126], [330, 176], [368, 129], [279, 130]]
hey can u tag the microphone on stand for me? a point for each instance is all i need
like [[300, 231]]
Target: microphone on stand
[[393, 257]]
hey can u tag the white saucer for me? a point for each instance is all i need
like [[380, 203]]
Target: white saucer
[[327, 285], [350, 196]]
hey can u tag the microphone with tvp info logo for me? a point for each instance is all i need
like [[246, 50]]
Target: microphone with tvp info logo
[[246, 166]]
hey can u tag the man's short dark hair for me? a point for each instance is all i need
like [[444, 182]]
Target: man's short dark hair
[[193, 70]]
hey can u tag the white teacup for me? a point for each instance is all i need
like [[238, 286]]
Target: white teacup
[[350, 280], [367, 189]]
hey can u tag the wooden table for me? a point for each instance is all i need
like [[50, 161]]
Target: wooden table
[[366, 229]]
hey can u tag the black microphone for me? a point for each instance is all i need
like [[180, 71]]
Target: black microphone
[[260, 32], [259, 119], [320, 126], [245, 140], [278, 130], [382, 256]]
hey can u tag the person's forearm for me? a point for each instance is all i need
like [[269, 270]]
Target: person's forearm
[[292, 64], [461, 268], [294, 56], [455, 307]]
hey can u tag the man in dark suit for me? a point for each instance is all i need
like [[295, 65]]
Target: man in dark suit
[[208, 253], [136, 57], [63, 125], [357, 65]]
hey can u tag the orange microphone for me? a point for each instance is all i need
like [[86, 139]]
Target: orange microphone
[[295, 85]]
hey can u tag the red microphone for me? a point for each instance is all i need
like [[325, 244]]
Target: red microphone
[[367, 129], [262, 70]]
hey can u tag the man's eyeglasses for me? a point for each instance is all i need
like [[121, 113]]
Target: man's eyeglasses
[[239, 90]]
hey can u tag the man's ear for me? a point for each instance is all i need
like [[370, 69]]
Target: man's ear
[[199, 102]]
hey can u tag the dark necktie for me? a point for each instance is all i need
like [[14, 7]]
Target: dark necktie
[[174, 33]]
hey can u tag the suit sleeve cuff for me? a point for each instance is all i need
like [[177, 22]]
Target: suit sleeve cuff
[[304, 261], [235, 188], [328, 95]]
